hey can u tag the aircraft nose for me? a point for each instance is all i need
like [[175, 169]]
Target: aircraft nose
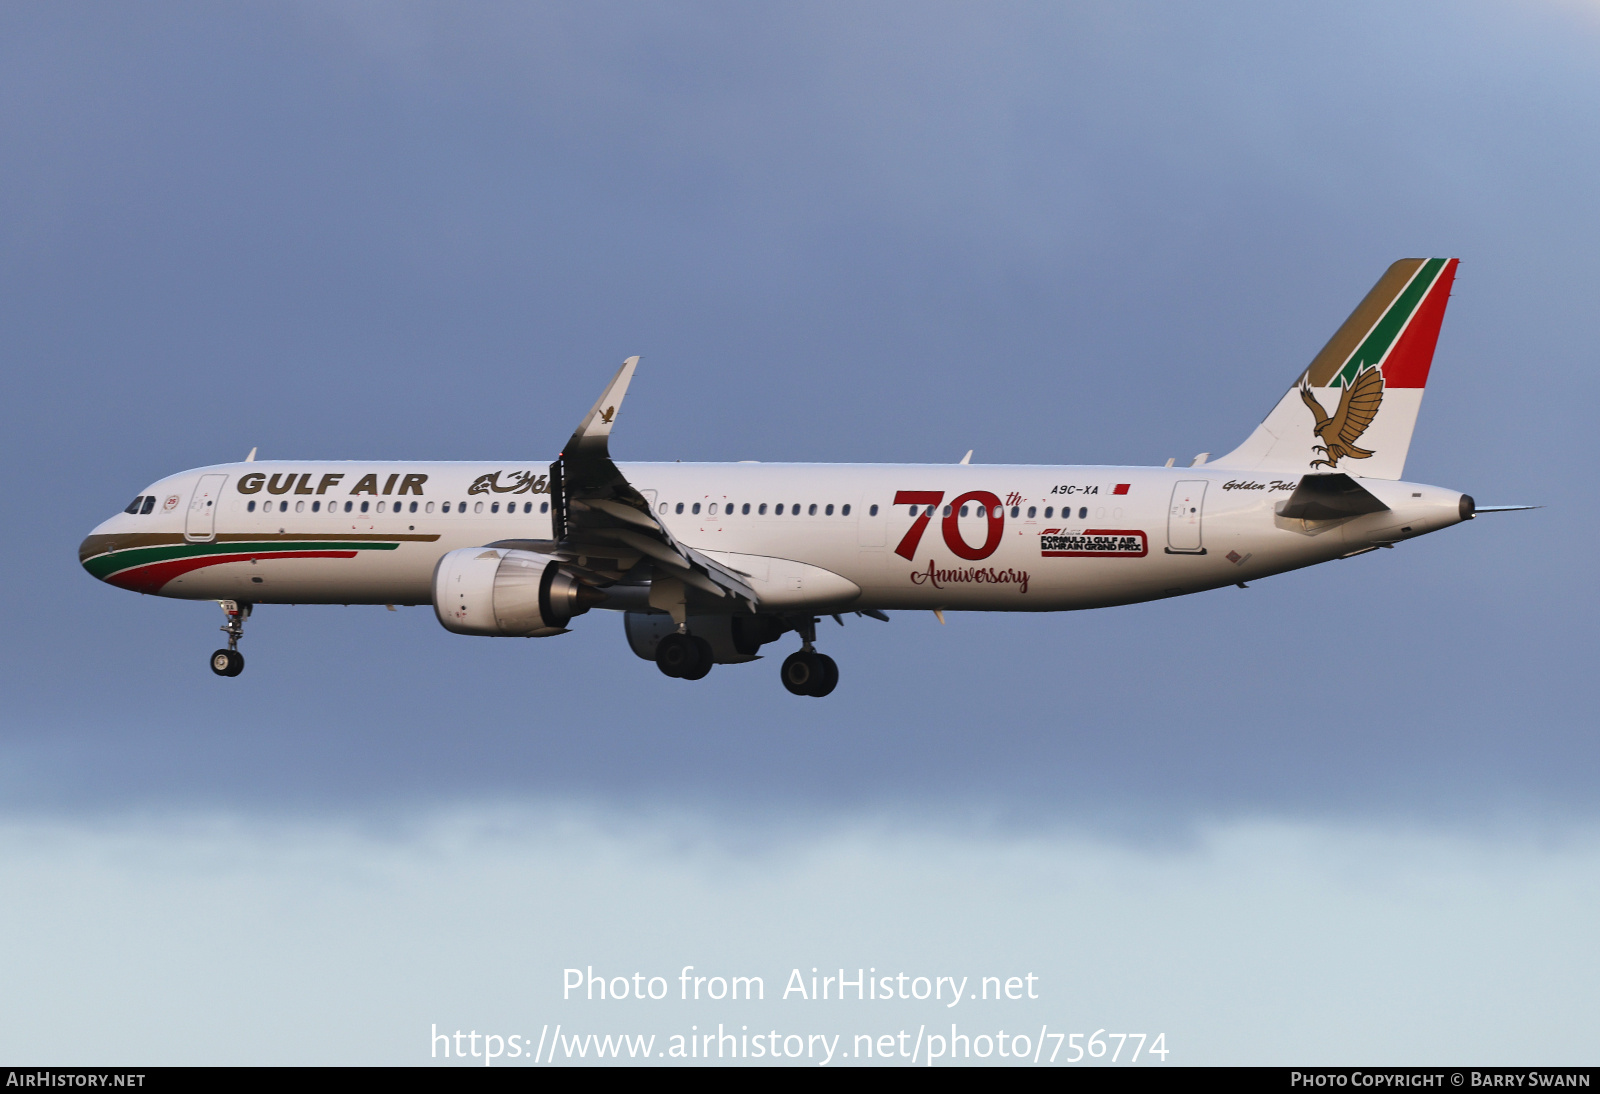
[[94, 547]]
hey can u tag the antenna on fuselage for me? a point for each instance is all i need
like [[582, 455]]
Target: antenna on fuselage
[[968, 457], [252, 457]]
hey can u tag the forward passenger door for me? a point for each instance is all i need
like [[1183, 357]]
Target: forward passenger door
[[201, 523]]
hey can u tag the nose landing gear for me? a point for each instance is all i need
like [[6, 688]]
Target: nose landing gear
[[807, 672], [230, 662]]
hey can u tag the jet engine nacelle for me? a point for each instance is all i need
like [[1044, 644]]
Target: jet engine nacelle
[[507, 594]]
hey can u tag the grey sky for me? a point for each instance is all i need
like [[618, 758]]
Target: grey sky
[[1048, 233], [1089, 234]]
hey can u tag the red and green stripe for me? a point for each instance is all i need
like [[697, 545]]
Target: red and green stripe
[[1395, 328], [147, 569]]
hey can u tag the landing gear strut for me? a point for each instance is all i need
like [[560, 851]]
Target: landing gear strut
[[807, 672], [230, 662]]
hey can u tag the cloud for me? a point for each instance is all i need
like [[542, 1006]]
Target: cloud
[[196, 939]]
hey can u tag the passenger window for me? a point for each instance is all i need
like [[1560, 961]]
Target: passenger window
[[1031, 511], [1015, 511], [429, 507], [947, 510], [495, 508], [713, 510], [745, 509], [1049, 511], [828, 512], [845, 512], [695, 508], [794, 510], [777, 510], [363, 507], [678, 508], [762, 510], [873, 511], [478, 508], [348, 506], [662, 510], [250, 507], [413, 507], [527, 507], [446, 508], [1083, 513], [299, 507], [963, 510], [813, 510], [316, 507], [544, 507]]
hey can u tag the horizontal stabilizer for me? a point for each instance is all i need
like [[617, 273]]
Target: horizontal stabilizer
[[1329, 497]]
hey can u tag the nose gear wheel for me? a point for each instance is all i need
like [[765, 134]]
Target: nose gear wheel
[[230, 662]]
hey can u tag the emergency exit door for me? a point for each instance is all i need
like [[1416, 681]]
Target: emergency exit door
[[1184, 516]]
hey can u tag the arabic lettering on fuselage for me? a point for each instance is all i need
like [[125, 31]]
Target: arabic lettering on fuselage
[[519, 482]]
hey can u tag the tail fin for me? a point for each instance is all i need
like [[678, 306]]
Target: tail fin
[[1354, 408]]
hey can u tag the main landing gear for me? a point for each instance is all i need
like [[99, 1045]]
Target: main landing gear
[[807, 672], [683, 656], [230, 662]]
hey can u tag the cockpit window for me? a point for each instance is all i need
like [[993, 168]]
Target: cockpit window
[[149, 505], [133, 506]]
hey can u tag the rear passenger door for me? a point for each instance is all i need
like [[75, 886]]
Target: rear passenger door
[[1184, 518]]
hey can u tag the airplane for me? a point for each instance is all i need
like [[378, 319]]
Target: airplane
[[708, 563]]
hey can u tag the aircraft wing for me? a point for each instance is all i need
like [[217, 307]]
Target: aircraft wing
[[603, 526]]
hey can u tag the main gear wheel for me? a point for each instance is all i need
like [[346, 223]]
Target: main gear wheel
[[807, 672], [684, 657]]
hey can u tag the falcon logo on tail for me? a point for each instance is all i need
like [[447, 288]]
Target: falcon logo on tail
[[1357, 407], [1380, 356]]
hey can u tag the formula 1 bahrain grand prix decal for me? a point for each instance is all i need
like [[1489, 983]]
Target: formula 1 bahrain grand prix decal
[[1093, 543]]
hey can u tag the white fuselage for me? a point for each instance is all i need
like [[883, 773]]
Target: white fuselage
[[1034, 538]]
